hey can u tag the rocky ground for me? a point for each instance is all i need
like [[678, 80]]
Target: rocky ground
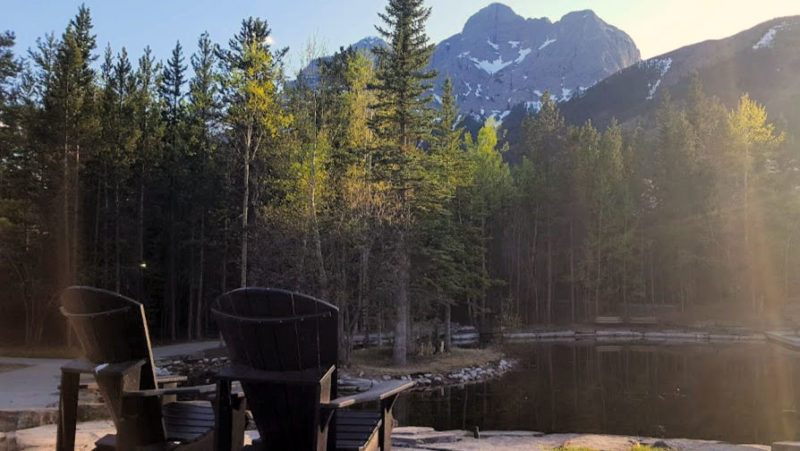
[[201, 369], [413, 439]]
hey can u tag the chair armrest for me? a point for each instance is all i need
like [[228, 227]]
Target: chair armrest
[[196, 390], [118, 369], [171, 379], [378, 392], [247, 374], [78, 366]]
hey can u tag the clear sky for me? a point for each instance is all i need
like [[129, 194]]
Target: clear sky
[[657, 26]]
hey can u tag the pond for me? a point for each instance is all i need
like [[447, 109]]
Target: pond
[[739, 393]]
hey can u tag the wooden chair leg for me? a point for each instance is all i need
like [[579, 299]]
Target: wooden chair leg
[[224, 424], [67, 410], [238, 421], [387, 422]]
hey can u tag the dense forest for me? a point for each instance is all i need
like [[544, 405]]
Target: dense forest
[[175, 181]]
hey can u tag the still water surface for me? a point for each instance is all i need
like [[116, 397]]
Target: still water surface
[[741, 393]]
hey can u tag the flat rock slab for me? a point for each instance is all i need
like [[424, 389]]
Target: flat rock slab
[[524, 440], [44, 437], [602, 442], [410, 437], [13, 419]]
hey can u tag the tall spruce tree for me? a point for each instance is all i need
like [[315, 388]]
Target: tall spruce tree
[[173, 79], [69, 106], [8, 66], [150, 126], [255, 115], [441, 272], [402, 118], [204, 112]]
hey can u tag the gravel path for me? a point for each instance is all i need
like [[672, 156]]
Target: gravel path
[[36, 384]]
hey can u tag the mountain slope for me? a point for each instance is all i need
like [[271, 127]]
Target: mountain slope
[[762, 61], [501, 59]]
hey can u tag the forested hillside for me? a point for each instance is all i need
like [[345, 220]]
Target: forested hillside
[[174, 181]]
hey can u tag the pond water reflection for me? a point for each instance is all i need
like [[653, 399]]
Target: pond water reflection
[[741, 393]]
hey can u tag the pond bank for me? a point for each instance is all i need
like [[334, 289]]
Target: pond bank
[[419, 439], [414, 439]]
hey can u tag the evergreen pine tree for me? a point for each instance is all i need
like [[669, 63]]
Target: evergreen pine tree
[[402, 118]]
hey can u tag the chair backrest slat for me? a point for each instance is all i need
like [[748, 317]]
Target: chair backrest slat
[[278, 330], [111, 328]]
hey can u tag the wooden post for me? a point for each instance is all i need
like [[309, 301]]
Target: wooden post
[[67, 410], [387, 420], [223, 434]]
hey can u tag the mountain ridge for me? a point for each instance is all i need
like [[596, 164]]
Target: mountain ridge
[[758, 60], [500, 59]]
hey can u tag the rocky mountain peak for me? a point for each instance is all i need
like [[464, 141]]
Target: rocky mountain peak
[[501, 59], [493, 17]]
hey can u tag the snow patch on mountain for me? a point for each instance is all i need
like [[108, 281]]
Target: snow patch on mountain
[[522, 54], [660, 66], [653, 89], [546, 43], [769, 36], [491, 67], [533, 106]]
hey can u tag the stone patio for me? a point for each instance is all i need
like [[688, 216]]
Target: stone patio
[[408, 438]]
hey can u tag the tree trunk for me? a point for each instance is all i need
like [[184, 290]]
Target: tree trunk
[[140, 242], [200, 276], [224, 264], [448, 335], [117, 261], [245, 202], [572, 269], [172, 279], [190, 298], [549, 273], [66, 274], [76, 215], [597, 268], [400, 349]]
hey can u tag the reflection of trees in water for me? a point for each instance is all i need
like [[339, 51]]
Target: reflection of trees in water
[[737, 393]]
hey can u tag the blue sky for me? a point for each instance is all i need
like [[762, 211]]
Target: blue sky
[[657, 26]]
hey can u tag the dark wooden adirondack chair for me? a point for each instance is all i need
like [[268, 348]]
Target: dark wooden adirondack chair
[[283, 350], [112, 330]]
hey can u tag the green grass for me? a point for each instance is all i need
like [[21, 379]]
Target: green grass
[[374, 362]]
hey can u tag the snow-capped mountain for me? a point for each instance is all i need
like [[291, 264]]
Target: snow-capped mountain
[[762, 61], [501, 59], [311, 72]]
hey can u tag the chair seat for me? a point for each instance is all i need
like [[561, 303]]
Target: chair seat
[[185, 422], [357, 430], [188, 421]]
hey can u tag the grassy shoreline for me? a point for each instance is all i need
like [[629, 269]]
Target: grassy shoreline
[[377, 362]]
